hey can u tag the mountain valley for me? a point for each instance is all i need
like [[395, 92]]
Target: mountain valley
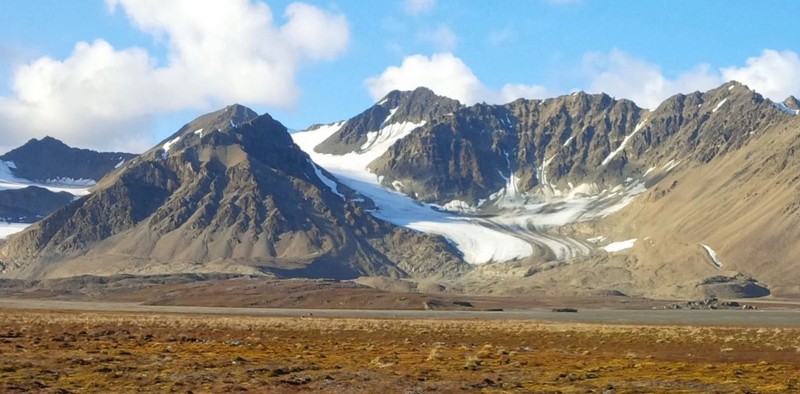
[[577, 195]]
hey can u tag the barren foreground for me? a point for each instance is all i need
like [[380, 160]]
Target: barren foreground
[[55, 351]]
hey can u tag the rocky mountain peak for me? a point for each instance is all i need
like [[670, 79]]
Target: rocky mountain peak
[[417, 106], [50, 159], [792, 102]]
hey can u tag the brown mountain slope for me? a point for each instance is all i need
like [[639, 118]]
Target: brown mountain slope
[[229, 192], [744, 206]]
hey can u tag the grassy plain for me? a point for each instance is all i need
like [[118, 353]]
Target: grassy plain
[[65, 351]]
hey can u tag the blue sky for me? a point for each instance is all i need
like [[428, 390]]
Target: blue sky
[[124, 74]]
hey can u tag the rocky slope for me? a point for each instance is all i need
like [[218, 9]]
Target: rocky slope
[[229, 192], [575, 195], [30, 204], [50, 160], [551, 173]]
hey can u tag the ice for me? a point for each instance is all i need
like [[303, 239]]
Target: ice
[[621, 245], [713, 255], [168, 145], [719, 105], [7, 229], [353, 165], [330, 183], [478, 243], [624, 143], [784, 108], [391, 113], [76, 187], [670, 165], [522, 221], [458, 206]]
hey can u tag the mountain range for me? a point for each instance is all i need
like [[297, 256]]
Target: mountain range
[[577, 194]]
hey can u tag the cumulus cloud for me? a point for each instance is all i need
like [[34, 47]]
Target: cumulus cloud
[[447, 75], [622, 75], [442, 38], [513, 91], [219, 52], [415, 7], [773, 74]]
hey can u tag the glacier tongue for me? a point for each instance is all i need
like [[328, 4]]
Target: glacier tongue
[[522, 221], [478, 243]]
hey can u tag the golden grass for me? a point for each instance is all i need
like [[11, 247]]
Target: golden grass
[[128, 352]]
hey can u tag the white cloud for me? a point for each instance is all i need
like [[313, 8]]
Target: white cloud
[[415, 7], [442, 38], [447, 75], [219, 52], [622, 75], [774, 74], [511, 92]]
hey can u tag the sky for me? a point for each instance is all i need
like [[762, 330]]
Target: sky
[[126, 74]]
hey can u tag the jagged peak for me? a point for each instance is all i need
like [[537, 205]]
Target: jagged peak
[[792, 102], [395, 98]]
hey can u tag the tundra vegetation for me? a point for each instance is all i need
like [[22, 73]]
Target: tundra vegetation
[[66, 351]]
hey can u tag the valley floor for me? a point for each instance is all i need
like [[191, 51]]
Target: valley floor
[[90, 351]]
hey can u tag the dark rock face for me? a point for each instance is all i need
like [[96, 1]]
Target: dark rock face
[[414, 106], [228, 190], [568, 140], [51, 159], [30, 204]]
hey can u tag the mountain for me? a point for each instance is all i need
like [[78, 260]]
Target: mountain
[[399, 109], [43, 175], [50, 160], [550, 187], [30, 204], [581, 194], [229, 192]]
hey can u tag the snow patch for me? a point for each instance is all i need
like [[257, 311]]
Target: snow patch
[[330, 183], [621, 245], [76, 187], [168, 145], [198, 131], [391, 113], [478, 243], [121, 162], [670, 165], [624, 143], [713, 256], [719, 105], [457, 206], [596, 239]]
